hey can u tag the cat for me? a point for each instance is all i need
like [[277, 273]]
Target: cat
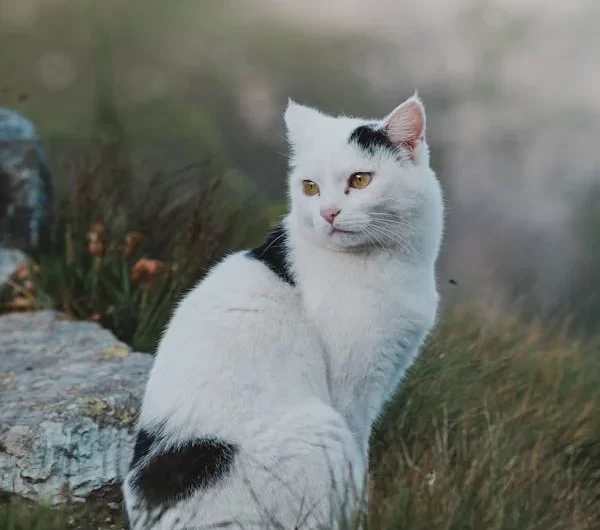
[[26, 190], [273, 369]]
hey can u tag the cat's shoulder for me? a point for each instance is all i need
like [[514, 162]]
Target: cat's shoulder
[[269, 261], [260, 271]]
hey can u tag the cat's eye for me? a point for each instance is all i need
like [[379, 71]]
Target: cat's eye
[[360, 180], [310, 188]]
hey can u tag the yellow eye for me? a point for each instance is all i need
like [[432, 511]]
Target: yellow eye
[[310, 188], [359, 180]]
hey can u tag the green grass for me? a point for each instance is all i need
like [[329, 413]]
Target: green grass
[[495, 428], [104, 512]]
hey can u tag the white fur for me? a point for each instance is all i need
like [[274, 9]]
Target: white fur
[[296, 375]]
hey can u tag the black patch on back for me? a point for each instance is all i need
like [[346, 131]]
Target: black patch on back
[[163, 476], [143, 444], [273, 254], [370, 139]]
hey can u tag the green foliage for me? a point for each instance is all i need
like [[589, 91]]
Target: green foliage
[[102, 513], [16, 515], [127, 248], [102, 289]]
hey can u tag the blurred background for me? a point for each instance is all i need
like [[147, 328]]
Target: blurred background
[[198, 87]]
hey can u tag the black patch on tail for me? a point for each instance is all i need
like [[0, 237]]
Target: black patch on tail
[[163, 476], [370, 139], [273, 254]]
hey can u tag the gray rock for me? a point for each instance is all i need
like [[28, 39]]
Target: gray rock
[[26, 190], [69, 395], [10, 261]]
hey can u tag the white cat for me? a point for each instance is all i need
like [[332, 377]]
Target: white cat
[[273, 369]]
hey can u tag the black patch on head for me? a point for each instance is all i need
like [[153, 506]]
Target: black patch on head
[[370, 139], [273, 254], [163, 476]]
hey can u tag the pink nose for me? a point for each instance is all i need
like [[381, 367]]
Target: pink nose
[[330, 214]]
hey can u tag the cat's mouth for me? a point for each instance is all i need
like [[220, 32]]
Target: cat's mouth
[[335, 230]]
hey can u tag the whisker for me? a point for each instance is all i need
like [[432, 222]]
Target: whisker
[[385, 215], [389, 228], [394, 236], [393, 227], [396, 221], [274, 241], [372, 235]]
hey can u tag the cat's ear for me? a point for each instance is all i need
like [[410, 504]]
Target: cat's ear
[[405, 125], [299, 120]]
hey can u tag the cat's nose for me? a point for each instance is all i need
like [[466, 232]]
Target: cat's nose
[[330, 214]]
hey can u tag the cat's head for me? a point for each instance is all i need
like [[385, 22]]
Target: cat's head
[[357, 183]]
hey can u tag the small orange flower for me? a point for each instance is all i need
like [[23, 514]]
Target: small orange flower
[[132, 240], [21, 303], [97, 228], [96, 239], [96, 248], [147, 270]]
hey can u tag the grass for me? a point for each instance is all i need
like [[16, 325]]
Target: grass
[[496, 426], [103, 512]]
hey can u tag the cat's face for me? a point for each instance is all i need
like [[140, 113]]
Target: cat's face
[[355, 182]]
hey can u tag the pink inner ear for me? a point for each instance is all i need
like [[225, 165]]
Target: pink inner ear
[[406, 126]]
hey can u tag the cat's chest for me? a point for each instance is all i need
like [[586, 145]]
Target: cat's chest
[[353, 316], [375, 314]]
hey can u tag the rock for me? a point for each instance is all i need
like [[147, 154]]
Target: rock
[[26, 190], [10, 261], [69, 394]]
